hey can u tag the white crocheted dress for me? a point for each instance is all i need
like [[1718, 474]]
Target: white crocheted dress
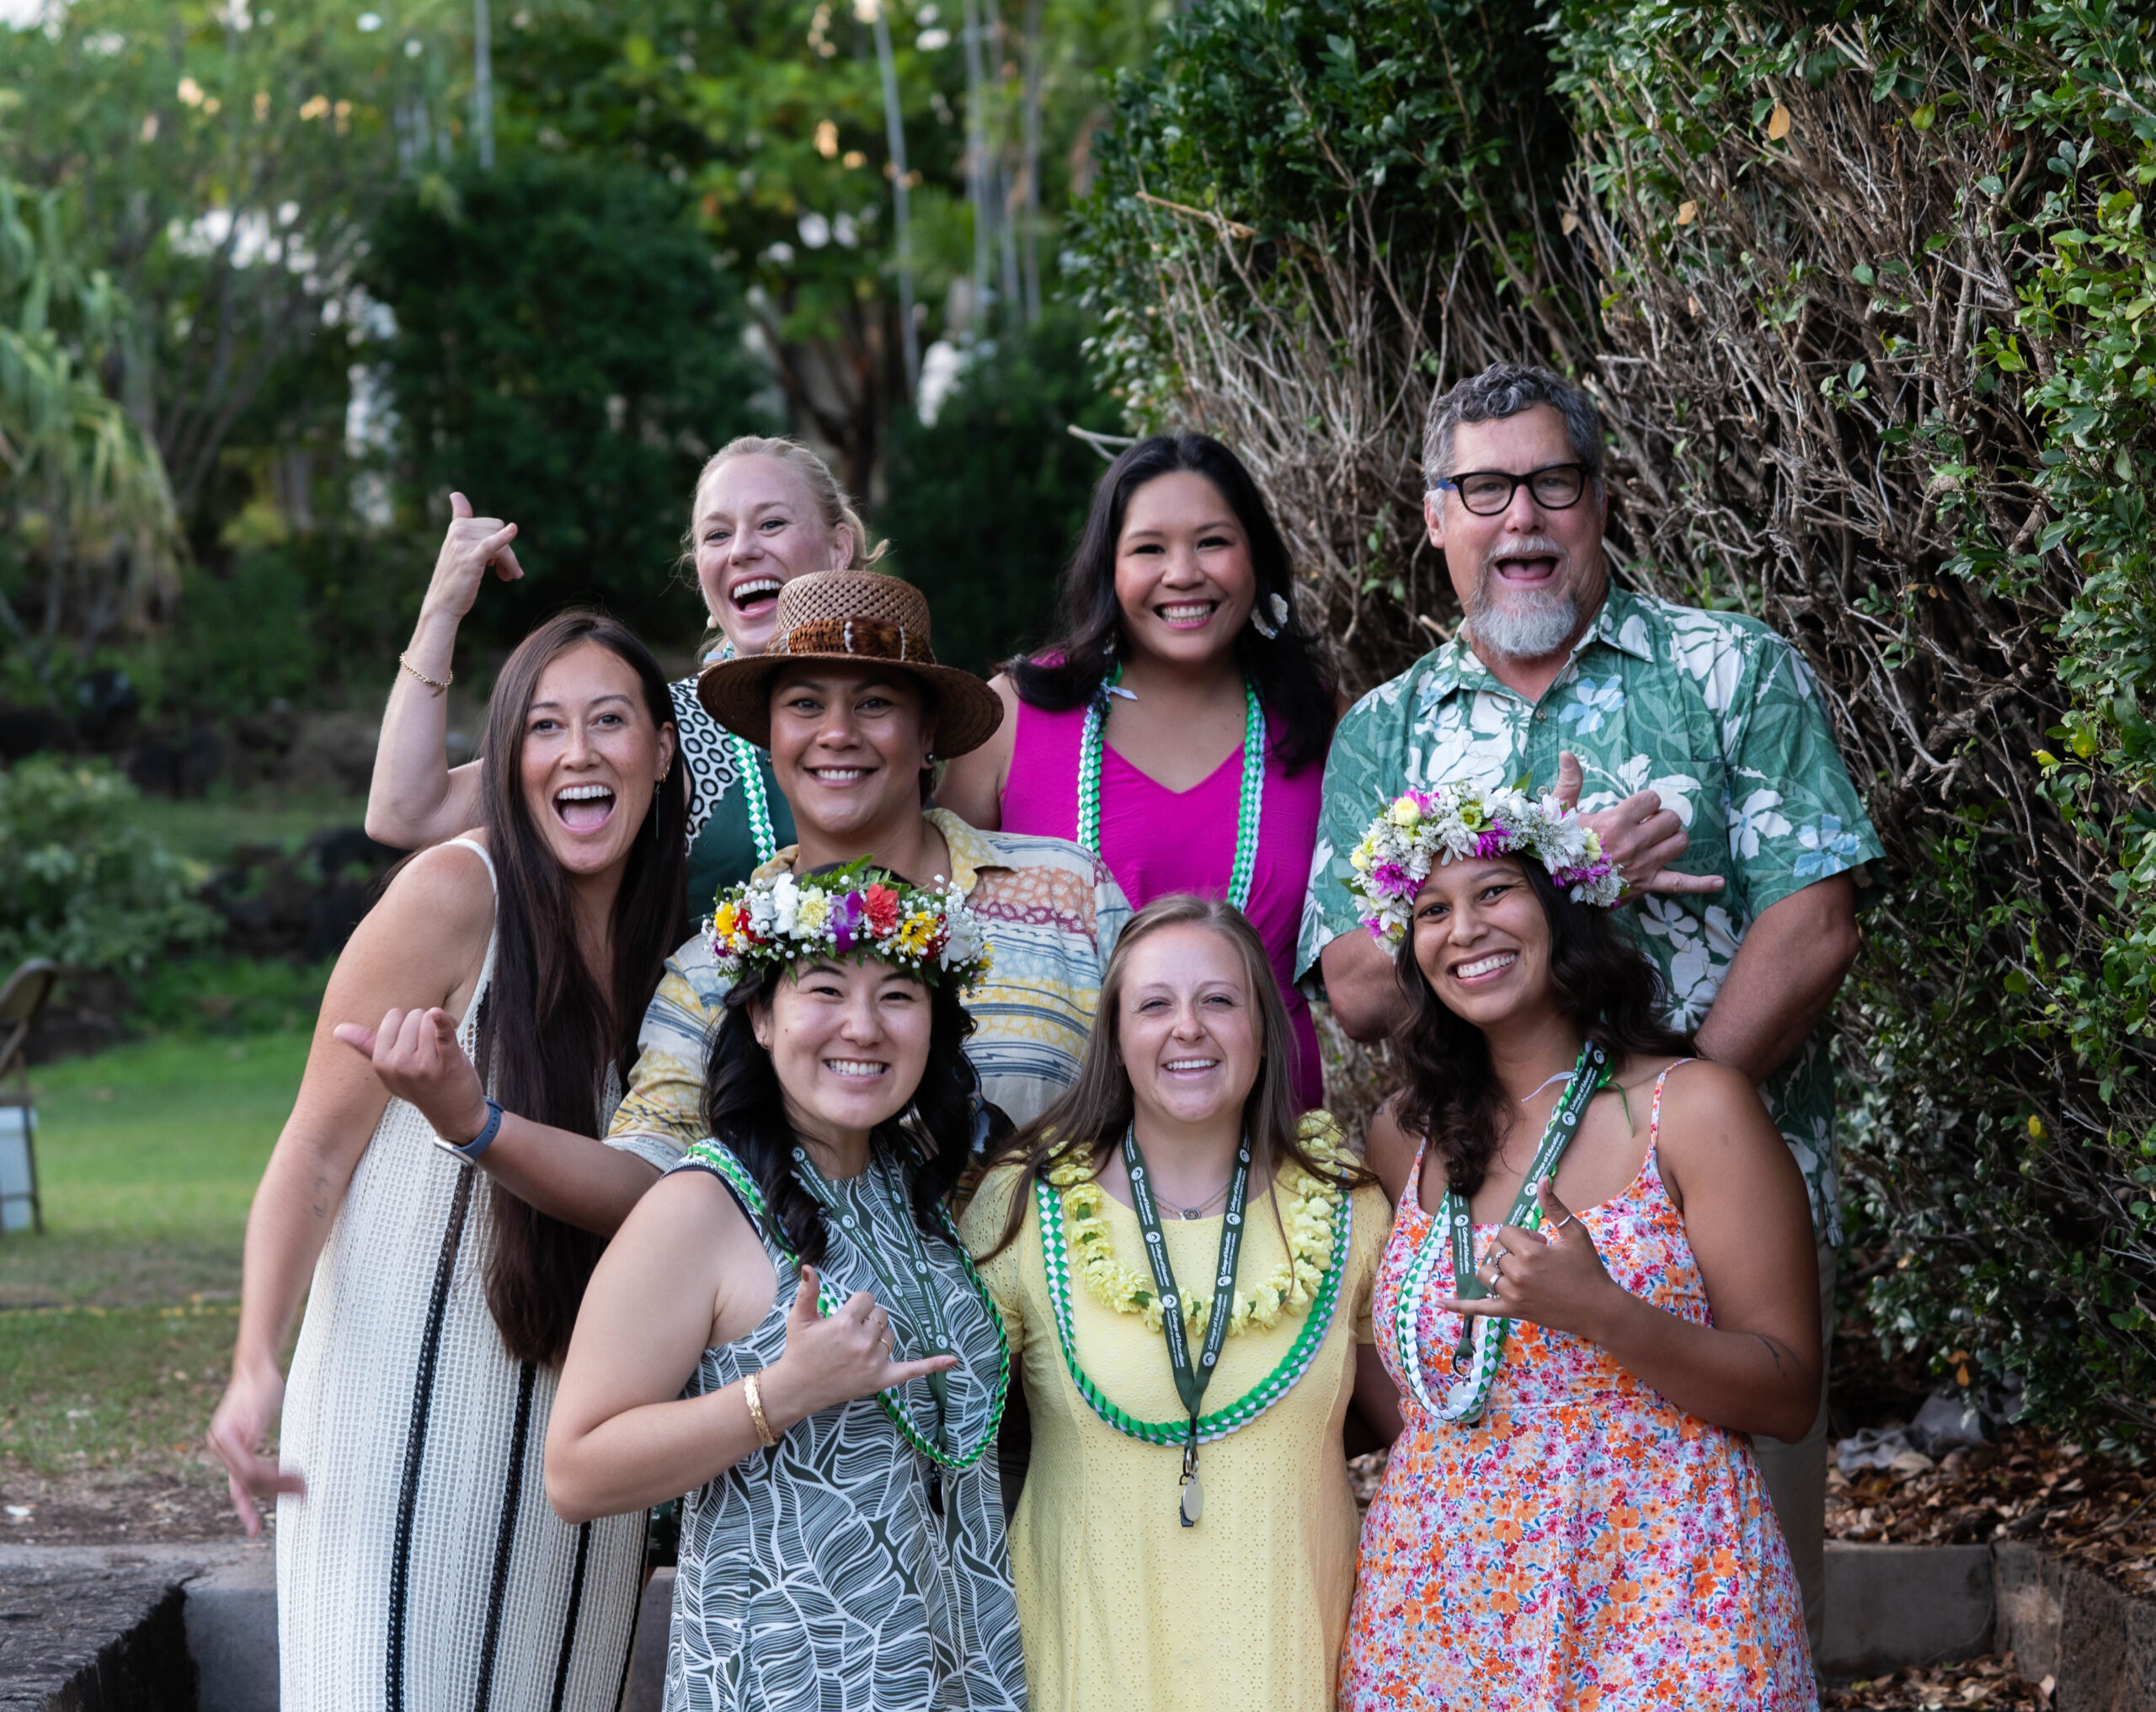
[[424, 1568]]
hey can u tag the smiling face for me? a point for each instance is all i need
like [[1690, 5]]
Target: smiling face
[[756, 526], [1482, 941], [849, 1041], [1183, 576], [1186, 1029], [848, 745], [590, 758], [1530, 578]]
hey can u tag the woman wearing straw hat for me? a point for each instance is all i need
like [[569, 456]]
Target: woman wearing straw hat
[[849, 700], [765, 512]]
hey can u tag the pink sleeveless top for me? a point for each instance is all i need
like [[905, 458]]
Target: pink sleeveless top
[[1155, 840]]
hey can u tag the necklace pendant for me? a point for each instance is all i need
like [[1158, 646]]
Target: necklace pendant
[[1194, 1501]]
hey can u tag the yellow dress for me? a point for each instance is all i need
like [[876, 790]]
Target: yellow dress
[[1121, 1606]]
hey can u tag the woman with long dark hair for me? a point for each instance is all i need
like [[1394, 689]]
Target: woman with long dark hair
[[1178, 721], [789, 1331], [439, 1200], [1185, 1271], [1599, 1280]]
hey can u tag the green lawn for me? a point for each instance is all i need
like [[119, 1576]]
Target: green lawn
[[209, 828], [147, 1157], [116, 1325]]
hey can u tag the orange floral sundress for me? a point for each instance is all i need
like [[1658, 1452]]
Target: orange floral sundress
[[1588, 1544]]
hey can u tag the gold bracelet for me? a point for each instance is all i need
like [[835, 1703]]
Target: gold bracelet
[[752, 1393], [404, 660]]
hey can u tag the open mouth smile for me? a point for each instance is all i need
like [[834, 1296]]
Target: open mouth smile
[[1186, 614], [1179, 1067], [1485, 967], [1533, 569], [754, 594], [855, 1069], [583, 808], [841, 776]]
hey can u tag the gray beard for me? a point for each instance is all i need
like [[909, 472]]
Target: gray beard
[[1527, 626]]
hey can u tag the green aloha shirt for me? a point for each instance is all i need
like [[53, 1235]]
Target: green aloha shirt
[[1713, 712]]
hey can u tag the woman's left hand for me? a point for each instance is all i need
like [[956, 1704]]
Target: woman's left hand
[[416, 1054], [1551, 1277]]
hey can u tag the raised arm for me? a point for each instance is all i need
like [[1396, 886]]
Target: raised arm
[[690, 1275], [416, 800], [1756, 1368], [423, 944], [972, 786]]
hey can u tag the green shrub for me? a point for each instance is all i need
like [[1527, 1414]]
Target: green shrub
[[211, 994], [566, 353], [1868, 295], [82, 883], [987, 502]]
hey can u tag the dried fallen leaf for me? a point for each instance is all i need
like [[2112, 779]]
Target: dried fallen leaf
[[1687, 212], [1778, 123]]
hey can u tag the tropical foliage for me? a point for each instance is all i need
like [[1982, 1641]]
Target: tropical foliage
[[1866, 294]]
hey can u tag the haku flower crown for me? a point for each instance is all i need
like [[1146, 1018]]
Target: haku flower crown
[[1455, 823], [774, 920]]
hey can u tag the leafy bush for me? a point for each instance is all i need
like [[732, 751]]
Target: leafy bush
[[215, 994], [80, 883], [1866, 296], [1310, 214], [568, 354], [986, 503]]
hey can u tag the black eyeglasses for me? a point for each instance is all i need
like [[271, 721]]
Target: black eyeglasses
[[1486, 493]]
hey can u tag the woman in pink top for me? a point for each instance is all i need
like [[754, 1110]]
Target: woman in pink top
[[1178, 642]]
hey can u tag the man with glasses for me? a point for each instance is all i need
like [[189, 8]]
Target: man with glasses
[[1690, 738]]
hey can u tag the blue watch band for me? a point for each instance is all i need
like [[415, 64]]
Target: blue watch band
[[469, 1151]]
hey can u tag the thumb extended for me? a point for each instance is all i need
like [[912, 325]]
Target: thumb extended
[[459, 506], [803, 1311], [1554, 1212], [1570, 777]]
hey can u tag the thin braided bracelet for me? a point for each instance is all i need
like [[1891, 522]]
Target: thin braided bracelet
[[404, 660]]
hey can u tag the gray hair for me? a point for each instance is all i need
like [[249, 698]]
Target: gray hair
[[1506, 389]]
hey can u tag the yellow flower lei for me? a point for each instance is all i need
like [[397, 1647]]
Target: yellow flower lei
[[1309, 1209]]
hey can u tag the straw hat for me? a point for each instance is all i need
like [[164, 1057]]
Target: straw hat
[[858, 618]]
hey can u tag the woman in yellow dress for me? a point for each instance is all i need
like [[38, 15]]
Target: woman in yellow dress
[[1185, 1274]]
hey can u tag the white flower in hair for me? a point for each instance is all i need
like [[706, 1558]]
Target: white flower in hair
[[1416, 832]]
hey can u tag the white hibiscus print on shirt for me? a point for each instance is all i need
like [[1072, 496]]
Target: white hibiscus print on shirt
[[1593, 703], [1755, 818], [1700, 951]]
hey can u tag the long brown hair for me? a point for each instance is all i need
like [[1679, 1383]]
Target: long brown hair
[[550, 1030], [1601, 981], [1092, 1114]]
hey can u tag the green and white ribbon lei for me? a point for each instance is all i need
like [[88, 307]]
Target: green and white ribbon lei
[[1482, 1346], [829, 1302], [748, 762], [746, 766], [1174, 1435], [1249, 807]]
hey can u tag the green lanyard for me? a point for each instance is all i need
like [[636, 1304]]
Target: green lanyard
[[721, 1159], [1482, 1339], [919, 1293], [1190, 1381]]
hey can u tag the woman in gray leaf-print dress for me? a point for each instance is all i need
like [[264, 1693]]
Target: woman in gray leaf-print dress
[[789, 1332]]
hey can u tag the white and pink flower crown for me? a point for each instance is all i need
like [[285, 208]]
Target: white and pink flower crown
[[775, 921], [1457, 823]]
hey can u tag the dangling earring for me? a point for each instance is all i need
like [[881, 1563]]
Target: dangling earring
[[1279, 605]]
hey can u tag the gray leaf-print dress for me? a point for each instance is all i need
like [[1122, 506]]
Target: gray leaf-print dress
[[818, 1577]]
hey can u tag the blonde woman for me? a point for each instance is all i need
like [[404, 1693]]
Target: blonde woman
[[1186, 1539], [765, 512]]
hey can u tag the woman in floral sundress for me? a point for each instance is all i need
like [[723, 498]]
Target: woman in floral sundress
[[1571, 1517]]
